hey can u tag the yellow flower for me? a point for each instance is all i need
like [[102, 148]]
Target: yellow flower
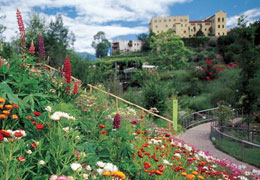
[[106, 173], [2, 116], [8, 106], [118, 174], [184, 173], [200, 177], [190, 177], [195, 172], [14, 116], [2, 100], [6, 112]]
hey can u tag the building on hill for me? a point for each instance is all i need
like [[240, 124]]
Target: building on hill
[[126, 46], [182, 26]]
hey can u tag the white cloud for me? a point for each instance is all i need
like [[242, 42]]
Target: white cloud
[[91, 15], [250, 15]]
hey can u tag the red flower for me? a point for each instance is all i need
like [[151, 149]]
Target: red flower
[[5, 133], [34, 145], [34, 122], [102, 126], [29, 117], [21, 29], [140, 155], [147, 165], [116, 122], [67, 71], [1, 137], [103, 132], [39, 126], [75, 90], [133, 122], [36, 113], [18, 134], [32, 48], [21, 158]]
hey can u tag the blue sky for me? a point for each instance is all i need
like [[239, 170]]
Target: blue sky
[[120, 18]]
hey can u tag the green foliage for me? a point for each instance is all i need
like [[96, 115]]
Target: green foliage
[[101, 44], [225, 114], [146, 40], [200, 102], [195, 41], [170, 50], [199, 33], [155, 94]]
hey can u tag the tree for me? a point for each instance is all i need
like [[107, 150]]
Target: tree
[[57, 41], [2, 27], [200, 33], [101, 44], [170, 49], [146, 40]]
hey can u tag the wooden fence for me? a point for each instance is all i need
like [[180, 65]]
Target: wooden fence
[[117, 99], [129, 103]]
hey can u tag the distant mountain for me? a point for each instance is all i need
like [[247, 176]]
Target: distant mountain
[[84, 55]]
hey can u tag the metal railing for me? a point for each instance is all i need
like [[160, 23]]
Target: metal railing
[[238, 148], [198, 118]]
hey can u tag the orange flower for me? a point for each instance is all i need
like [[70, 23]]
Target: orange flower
[[14, 116], [8, 106], [2, 116], [147, 165], [118, 174], [5, 133], [158, 172], [106, 173], [2, 100], [6, 112], [21, 159], [200, 177], [184, 173], [15, 106], [18, 134], [195, 172], [190, 177], [1, 106]]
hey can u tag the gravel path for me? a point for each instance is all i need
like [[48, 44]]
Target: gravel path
[[199, 136]]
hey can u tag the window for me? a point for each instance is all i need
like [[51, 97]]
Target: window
[[164, 20], [156, 26], [181, 25], [222, 19], [218, 26], [174, 19], [166, 25], [155, 20], [223, 26], [184, 31], [185, 25], [191, 30], [170, 20], [137, 44], [181, 20], [207, 23], [205, 29], [218, 19], [223, 33], [185, 20], [160, 21], [157, 31], [219, 34]]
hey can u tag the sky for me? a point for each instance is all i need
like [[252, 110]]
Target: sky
[[123, 19]]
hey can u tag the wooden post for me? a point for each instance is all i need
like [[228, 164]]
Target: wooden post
[[116, 104], [91, 89], [107, 99], [175, 114]]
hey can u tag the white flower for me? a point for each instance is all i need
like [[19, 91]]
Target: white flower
[[53, 177], [100, 164], [48, 108], [76, 167], [88, 168], [85, 176], [70, 178], [41, 162], [23, 132], [66, 129], [77, 137], [177, 155], [167, 162], [100, 171], [110, 167], [55, 117], [29, 152]]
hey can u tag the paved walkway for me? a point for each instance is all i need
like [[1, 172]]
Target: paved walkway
[[199, 136]]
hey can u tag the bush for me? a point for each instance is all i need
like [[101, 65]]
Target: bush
[[224, 115], [200, 102], [212, 43], [133, 96], [223, 94], [155, 94]]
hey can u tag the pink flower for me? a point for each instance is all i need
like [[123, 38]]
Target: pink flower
[[116, 122], [133, 122]]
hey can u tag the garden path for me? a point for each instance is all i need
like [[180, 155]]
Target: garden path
[[199, 136]]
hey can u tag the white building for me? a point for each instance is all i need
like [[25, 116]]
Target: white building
[[126, 46]]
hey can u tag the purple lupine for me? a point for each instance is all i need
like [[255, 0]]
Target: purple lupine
[[41, 48], [116, 122]]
